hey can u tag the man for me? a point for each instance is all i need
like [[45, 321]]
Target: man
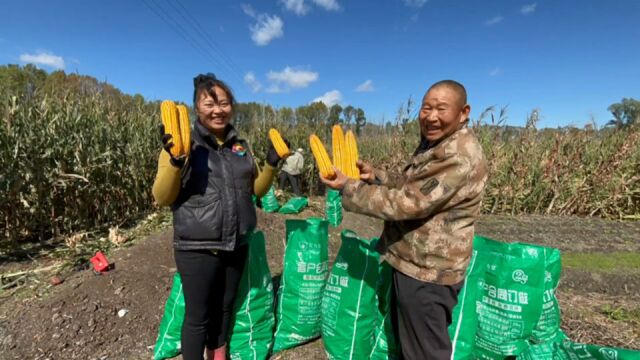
[[291, 171], [429, 213]]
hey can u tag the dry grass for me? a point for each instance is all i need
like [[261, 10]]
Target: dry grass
[[587, 318], [74, 163]]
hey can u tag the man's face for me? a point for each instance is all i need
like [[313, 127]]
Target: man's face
[[441, 113]]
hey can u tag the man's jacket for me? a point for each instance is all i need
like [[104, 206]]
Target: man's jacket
[[430, 210], [293, 164]]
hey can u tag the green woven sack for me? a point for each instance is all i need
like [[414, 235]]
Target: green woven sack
[[168, 342], [252, 332], [349, 311], [501, 301], [567, 350], [294, 205], [548, 326], [303, 280], [384, 345], [269, 201], [333, 207]]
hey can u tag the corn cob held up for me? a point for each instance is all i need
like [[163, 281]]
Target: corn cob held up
[[185, 128], [337, 144], [281, 147], [351, 156], [322, 158], [169, 115]]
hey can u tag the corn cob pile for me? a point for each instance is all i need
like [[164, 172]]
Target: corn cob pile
[[176, 123], [281, 147]]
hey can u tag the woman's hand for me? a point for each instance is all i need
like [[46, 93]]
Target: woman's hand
[[272, 155], [167, 144], [366, 172], [336, 183]]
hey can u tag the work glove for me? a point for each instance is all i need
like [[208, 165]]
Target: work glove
[[272, 155], [167, 144]]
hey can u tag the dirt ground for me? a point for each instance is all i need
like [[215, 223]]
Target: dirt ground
[[79, 319]]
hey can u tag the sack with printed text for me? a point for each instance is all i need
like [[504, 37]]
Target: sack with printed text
[[548, 326], [349, 313], [333, 207], [384, 343], [303, 279], [253, 320], [501, 301], [567, 350]]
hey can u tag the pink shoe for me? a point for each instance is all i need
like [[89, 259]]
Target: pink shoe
[[209, 354], [220, 353]]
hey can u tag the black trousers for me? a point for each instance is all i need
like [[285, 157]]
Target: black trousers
[[210, 283], [293, 179], [421, 315]]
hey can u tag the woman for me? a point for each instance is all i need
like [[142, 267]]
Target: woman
[[210, 196]]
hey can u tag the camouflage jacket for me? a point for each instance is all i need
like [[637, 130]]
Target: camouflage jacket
[[430, 210]]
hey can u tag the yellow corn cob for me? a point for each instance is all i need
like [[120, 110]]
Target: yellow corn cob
[[351, 155], [185, 128], [337, 143], [281, 147], [322, 158], [169, 115]]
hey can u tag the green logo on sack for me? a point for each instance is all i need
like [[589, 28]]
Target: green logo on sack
[[520, 276], [610, 354]]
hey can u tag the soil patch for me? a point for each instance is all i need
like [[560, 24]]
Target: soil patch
[[79, 319]]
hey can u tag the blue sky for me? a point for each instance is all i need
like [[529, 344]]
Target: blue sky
[[570, 59]]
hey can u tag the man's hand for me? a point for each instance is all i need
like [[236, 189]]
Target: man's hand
[[366, 172], [338, 182], [167, 144]]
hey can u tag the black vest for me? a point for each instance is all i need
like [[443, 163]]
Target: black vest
[[214, 208]]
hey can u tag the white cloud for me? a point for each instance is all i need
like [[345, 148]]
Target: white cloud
[[414, 3], [274, 89], [250, 79], [301, 7], [292, 78], [494, 20], [495, 71], [528, 9], [45, 59], [248, 9], [329, 5], [366, 86], [296, 6], [330, 98], [266, 29]]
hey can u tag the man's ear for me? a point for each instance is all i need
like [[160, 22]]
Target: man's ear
[[464, 114]]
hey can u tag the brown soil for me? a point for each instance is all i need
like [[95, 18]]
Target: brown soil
[[78, 319]]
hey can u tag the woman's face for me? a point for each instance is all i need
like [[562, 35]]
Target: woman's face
[[214, 115]]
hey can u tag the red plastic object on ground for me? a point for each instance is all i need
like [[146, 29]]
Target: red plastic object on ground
[[100, 262]]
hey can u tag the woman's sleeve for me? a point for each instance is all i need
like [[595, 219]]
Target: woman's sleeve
[[167, 183], [263, 181]]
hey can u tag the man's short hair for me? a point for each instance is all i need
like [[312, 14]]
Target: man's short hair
[[455, 86]]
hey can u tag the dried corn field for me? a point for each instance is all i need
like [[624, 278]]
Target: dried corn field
[[83, 159]]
